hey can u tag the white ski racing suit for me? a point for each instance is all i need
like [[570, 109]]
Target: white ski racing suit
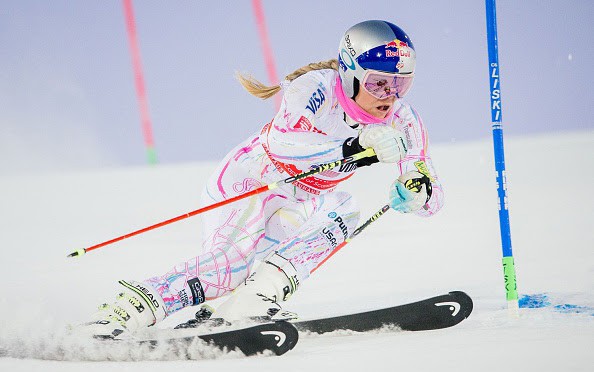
[[303, 221]]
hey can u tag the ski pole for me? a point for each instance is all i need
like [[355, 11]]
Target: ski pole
[[357, 231], [318, 169]]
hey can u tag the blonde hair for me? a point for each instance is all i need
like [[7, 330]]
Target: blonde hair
[[260, 90]]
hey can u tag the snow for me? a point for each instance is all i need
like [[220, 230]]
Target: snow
[[399, 258]]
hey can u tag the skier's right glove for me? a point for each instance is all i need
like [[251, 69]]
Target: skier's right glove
[[388, 143]]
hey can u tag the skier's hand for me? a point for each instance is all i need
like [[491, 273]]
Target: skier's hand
[[410, 192], [388, 143]]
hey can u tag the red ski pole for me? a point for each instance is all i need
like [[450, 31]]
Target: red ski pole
[[321, 168]]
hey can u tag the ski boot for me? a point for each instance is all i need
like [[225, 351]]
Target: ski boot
[[138, 306], [257, 299]]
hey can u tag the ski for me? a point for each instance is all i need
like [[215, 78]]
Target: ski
[[436, 312], [281, 336], [276, 337]]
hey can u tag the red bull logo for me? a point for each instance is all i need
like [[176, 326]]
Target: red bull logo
[[392, 44], [400, 46], [396, 44]]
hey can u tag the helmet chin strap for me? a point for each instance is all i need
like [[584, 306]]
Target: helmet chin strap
[[354, 111], [351, 122]]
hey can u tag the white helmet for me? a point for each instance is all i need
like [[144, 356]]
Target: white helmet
[[376, 46]]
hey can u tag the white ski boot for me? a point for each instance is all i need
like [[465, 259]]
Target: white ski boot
[[138, 306], [257, 299]]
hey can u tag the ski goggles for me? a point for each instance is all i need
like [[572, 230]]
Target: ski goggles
[[382, 85]]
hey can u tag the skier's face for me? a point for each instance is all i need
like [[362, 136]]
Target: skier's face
[[374, 106]]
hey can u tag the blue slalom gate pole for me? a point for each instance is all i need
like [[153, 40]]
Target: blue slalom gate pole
[[509, 271]]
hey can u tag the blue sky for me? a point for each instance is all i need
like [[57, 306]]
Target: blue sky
[[67, 97]]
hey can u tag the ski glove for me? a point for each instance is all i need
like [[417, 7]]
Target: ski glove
[[410, 192], [388, 143]]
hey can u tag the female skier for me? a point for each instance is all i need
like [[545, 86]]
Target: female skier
[[330, 110]]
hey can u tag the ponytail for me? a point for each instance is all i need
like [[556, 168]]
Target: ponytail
[[260, 90]]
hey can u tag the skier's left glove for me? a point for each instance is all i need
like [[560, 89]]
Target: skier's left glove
[[410, 192]]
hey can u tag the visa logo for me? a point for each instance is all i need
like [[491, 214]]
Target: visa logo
[[316, 101]]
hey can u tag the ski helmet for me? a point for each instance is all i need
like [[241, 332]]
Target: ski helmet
[[374, 45]]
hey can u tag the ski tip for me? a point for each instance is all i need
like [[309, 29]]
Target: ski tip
[[283, 345], [78, 252], [275, 337], [464, 300]]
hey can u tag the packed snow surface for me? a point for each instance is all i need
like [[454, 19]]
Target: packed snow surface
[[399, 258]]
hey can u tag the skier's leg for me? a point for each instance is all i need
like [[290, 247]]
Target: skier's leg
[[316, 227], [334, 219], [232, 234], [225, 265], [230, 250]]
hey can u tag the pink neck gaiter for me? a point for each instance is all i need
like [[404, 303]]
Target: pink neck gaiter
[[354, 111]]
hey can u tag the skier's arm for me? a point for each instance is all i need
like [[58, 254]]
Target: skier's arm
[[418, 160]]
